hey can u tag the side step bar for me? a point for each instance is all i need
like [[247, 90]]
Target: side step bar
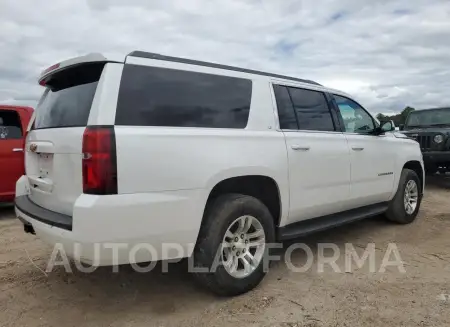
[[313, 225]]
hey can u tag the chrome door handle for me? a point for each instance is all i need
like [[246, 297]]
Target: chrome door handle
[[17, 150], [300, 148], [357, 149]]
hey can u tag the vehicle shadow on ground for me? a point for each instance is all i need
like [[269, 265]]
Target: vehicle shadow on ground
[[7, 211], [438, 181], [175, 290]]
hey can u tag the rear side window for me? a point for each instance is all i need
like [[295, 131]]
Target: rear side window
[[304, 108], [68, 99], [151, 96], [10, 127], [311, 108], [286, 112]]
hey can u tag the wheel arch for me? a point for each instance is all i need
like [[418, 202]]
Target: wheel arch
[[263, 187], [417, 167]]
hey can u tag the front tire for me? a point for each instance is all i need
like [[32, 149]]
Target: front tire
[[232, 244], [405, 205]]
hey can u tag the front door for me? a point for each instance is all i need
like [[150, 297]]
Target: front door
[[372, 156], [11, 153]]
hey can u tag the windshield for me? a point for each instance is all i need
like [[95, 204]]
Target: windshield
[[429, 118]]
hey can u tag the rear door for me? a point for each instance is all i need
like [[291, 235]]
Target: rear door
[[53, 158], [11, 152], [318, 154]]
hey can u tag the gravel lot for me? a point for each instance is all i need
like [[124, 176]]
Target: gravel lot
[[420, 297]]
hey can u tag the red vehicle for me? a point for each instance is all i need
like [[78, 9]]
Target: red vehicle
[[13, 126]]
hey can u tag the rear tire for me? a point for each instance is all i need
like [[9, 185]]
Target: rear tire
[[222, 225], [399, 211]]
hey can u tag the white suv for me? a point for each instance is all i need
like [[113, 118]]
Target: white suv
[[160, 150]]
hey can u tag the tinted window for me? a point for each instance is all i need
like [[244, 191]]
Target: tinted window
[[151, 96], [68, 100], [10, 127], [356, 119], [311, 108], [286, 113]]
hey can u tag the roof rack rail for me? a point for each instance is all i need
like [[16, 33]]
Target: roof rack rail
[[156, 56]]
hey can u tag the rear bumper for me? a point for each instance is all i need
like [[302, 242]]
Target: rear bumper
[[436, 157], [120, 229], [32, 210]]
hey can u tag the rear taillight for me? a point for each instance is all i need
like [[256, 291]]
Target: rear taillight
[[99, 160]]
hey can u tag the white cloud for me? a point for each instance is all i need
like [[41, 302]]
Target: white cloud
[[388, 54]]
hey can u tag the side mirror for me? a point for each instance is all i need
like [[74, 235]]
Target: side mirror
[[388, 126], [401, 127]]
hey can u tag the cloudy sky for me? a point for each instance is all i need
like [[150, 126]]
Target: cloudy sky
[[387, 53]]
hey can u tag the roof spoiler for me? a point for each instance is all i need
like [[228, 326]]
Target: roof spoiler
[[89, 58]]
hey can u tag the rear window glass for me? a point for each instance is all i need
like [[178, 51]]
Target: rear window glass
[[68, 98], [151, 96]]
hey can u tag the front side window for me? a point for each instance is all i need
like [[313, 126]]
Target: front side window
[[152, 96], [356, 119], [10, 127]]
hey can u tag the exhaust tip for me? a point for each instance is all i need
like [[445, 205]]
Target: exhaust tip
[[28, 228]]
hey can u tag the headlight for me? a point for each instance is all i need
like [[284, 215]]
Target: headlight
[[439, 139]]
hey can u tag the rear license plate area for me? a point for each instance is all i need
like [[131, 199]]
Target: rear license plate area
[[45, 161]]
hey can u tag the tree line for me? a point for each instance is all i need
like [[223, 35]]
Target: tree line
[[398, 119]]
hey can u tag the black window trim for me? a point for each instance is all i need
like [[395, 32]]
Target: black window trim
[[331, 107], [341, 120]]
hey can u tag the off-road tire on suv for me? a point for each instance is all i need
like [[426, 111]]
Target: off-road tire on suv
[[219, 216], [397, 209]]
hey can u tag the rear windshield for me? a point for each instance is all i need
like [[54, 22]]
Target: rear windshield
[[68, 98]]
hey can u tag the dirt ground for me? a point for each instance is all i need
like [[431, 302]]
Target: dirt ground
[[419, 297]]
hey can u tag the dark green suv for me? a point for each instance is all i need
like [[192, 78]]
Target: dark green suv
[[431, 128]]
